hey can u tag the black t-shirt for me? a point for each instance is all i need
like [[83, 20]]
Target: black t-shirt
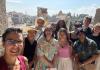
[[97, 40], [30, 49], [88, 32]]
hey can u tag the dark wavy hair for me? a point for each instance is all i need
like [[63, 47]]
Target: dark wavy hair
[[60, 22], [49, 27], [8, 31], [58, 25]]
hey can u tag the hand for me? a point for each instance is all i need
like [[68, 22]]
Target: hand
[[30, 68], [30, 65], [51, 66]]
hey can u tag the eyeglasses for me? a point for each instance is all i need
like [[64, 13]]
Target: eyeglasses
[[13, 42]]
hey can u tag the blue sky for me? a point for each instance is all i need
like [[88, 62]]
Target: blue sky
[[54, 6]]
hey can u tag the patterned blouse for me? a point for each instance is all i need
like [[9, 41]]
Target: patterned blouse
[[46, 49]]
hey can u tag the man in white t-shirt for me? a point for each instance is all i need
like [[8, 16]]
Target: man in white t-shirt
[[40, 27]]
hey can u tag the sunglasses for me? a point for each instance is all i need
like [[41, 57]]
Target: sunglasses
[[13, 42]]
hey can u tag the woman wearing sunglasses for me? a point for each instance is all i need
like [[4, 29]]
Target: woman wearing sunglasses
[[12, 41]]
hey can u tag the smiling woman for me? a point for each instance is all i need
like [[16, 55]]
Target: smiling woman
[[12, 41]]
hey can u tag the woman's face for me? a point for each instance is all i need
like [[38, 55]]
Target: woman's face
[[13, 44], [48, 32], [62, 37], [31, 34]]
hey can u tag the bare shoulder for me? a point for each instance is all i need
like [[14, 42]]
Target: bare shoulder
[[26, 60]]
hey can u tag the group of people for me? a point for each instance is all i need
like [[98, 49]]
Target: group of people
[[52, 48]]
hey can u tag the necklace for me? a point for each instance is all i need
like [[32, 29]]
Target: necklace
[[15, 66]]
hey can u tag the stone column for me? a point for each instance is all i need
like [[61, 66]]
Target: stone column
[[97, 16], [3, 24]]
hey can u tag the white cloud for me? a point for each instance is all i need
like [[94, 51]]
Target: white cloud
[[14, 1], [27, 10], [56, 11], [52, 12], [30, 11], [91, 10]]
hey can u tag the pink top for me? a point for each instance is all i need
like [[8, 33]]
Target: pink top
[[4, 66], [64, 52], [22, 63]]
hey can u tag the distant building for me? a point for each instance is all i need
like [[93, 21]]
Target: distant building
[[3, 24], [16, 17], [61, 15], [42, 12], [20, 18], [97, 16]]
